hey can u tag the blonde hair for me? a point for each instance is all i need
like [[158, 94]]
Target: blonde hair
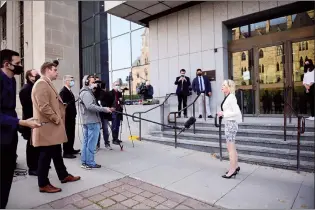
[[230, 84]]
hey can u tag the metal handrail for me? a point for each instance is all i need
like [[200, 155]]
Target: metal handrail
[[300, 129], [169, 121], [144, 112], [218, 125]]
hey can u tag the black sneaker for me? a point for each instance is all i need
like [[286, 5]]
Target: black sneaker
[[84, 166], [210, 116], [107, 146], [95, 166], [200, 116]]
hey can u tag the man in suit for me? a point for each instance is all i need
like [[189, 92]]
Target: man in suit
[[10, 62], [202, 86], [182, 91], [71, 113], [49, 110], [32, 153], [116, 118]]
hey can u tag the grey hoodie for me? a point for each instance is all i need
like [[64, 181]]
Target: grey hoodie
[[89, 109]]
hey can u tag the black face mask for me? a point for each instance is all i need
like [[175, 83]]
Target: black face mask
[[199, 74], [17, 69], [37, 77], [307, 66]]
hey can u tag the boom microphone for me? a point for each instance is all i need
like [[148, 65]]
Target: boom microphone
[[188, 124]]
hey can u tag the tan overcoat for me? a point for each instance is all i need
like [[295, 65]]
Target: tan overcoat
[[48, 107]]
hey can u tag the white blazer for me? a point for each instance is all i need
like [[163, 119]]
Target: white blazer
[[231, 110]]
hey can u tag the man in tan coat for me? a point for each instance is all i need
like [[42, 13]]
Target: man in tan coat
[[49, 110]]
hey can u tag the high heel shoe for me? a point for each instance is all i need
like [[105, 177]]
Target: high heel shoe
[[237, 170], [229, 177]]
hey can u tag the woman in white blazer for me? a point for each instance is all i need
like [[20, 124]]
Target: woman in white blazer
[[232, 116]]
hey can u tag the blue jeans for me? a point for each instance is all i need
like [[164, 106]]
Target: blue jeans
[[90, 134]]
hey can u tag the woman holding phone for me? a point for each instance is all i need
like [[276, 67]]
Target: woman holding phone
[[231, 114]]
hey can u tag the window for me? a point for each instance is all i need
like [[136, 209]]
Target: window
[[278, 66], [261, 53], [88, 32], [243, 56], [121, 76], [87, 9], [119, 26], [121, 52], [139, 50], [88, 57]]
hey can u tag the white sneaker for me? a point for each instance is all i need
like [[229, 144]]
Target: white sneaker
[[310, 118]]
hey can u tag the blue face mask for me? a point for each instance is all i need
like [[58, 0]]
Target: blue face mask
[[71, 83]]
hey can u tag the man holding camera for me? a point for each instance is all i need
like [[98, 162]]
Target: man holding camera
[[182, 91], [146, 91], [91, 121]]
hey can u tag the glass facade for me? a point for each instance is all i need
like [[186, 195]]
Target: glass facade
[[112, 47]]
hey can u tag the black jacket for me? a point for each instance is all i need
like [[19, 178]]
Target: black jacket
[[68, 98], [118, 107], [106, 101], [182, 87], [25, 95]]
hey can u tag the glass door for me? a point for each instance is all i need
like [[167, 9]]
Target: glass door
[[301, 51], [242, 71], [271, 79]]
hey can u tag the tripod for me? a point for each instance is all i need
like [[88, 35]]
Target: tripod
[[124, 108]]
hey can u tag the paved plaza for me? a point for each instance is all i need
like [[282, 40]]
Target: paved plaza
[[157, 176]]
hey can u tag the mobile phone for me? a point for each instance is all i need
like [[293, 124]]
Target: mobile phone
[[43, 123]]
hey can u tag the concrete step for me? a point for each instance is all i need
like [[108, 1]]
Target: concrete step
[[253, 125], [250, 141], [258, 133], [307, 158], [271, 162]]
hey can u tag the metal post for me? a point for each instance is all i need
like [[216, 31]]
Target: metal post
[[298, 145], [175, 131], [140, 138], [220, 138], [285, 117], [194, 117], [162, 127], [242, 104], [204, 106]]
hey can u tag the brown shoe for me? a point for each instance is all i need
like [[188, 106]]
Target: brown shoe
[[70, 178], [49, 189]]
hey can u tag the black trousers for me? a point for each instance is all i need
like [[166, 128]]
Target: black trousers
[[32, 156], [7, 167], [182, 99], [310, 96], [70, 130], [46, 154]]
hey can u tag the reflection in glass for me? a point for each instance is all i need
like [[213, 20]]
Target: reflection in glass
[[301, 19], [242, 78], [271, 81], [101, 27], [277, 25], [98, 59], [135, 26], [88, 57], [121, 57], [87, 9], [300, 53], [88, 32], [240, 32], [258, 29], [140, 46], [121, 76], [119, 26], [108, 26]]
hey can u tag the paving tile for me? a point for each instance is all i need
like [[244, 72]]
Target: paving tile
[[106, 203], [146, 194], [170, 204], [96, 198], [139, 198], [129, 203], [196, 204], [122, 188], [126, 179], [135, 182], [117, 206], [93, 191], [150, 203], [141, 206], [45, 206], [83, 203], [70, 206], [136, 190], [182, 207], [173, 196], [158, 199], [119, 198], [150, 188], [58, 204], [128, 194], [113, 184], [108, 193], [93, 206], [161, 207]]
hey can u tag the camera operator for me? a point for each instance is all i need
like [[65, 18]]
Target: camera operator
[[91, 121], [116, 118], [146, 91]]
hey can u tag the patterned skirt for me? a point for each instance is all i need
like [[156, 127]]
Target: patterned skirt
[[231, 128]]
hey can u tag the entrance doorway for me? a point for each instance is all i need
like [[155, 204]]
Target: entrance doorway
[[267, 64]]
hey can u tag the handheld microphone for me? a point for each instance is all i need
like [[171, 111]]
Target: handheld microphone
[[125, 89], [188, 124]]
